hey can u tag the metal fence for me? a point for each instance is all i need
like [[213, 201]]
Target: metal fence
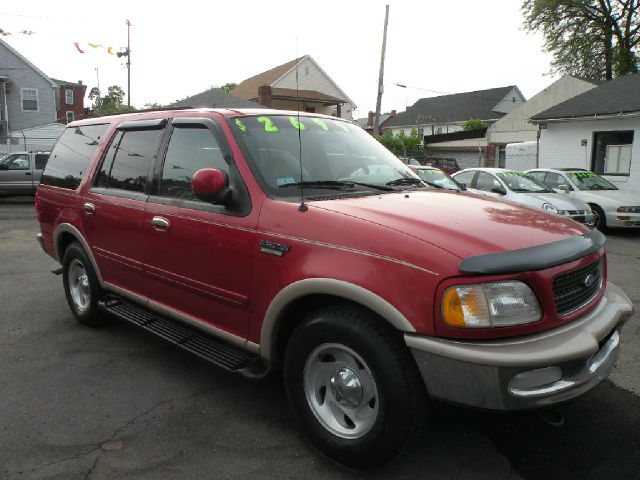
[[453, 159], [20, 143]]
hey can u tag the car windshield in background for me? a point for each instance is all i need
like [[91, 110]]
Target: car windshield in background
[[523, 183], [437, 177], [590, 181], [336, 155]]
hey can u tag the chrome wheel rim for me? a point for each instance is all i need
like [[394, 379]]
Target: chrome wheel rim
[[341, 390], [79, 287], [596, 218]]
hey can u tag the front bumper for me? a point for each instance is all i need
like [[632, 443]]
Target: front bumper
[[585, 218], [530, 372]]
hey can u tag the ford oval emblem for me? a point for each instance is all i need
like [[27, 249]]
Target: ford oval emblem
[[589, 280]]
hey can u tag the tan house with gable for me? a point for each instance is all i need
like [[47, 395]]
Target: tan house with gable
[[316, 91]]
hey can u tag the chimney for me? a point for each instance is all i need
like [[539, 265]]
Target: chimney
[[264, 95], [370, 119], [393, 113], [79, 82]]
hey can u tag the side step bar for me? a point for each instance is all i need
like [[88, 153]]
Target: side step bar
[[217, 352]]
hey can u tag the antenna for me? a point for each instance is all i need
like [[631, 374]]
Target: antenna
[[303, 206]]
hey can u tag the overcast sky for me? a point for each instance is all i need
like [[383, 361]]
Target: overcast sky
[[182, 48]]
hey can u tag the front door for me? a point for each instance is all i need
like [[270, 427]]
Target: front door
[[198, 256]]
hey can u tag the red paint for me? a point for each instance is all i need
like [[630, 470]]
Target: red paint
[[404, 247]]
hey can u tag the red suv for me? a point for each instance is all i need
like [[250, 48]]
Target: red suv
[[260, 239]]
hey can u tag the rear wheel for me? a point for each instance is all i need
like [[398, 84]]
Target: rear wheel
[[353, 385], [81, 287], [599, 219]]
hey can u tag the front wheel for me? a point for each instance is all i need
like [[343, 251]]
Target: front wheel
[[599, 219], [353, 386]]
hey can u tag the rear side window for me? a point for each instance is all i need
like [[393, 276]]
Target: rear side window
[[71, 155], [127, 163]]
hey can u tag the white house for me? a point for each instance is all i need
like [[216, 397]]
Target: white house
[[313, 91], [598, 130]]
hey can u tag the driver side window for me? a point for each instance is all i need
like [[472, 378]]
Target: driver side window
[[486, 182], [18, 162], [190, 149]]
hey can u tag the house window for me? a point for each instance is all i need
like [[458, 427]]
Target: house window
[[306, 71], [29, 99], [612, 152], [68, 97], [70, 117]]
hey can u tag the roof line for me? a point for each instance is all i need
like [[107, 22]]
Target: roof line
[[605, 116], [24, 59]]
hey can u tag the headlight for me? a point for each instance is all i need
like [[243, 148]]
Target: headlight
[[549, 208], [486, 305], [629, 209], [588, 209]]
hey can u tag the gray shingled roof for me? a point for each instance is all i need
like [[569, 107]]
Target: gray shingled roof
[[215, 98], [458, 107], [63, 83], [621, 95]]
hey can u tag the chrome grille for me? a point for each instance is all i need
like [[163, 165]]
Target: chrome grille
[[574, 290]]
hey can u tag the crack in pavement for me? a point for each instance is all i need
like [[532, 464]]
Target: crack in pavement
[[114, 435]]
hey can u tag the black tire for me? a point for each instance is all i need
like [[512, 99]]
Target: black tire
[[88, 314], [599, 218], [400, 394]]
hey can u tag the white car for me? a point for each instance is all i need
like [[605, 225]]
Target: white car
[[611, 207], [524, 189]]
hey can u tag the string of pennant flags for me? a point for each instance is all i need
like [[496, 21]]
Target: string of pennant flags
[[81, 47]]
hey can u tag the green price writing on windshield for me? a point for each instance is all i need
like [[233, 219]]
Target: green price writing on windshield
[[268, 124], [342, 126], [583, 174], [241, 125], [296, 124], [321, 123]]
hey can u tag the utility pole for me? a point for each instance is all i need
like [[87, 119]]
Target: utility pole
[[128, 65], [376, 118], [98, 80]]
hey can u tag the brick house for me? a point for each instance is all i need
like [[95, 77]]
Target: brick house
[[70, 100]]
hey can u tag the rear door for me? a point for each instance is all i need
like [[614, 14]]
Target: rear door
[[114, 205], [198, 256]]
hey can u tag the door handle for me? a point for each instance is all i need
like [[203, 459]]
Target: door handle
[[27, 173], [160, 223], [89, 207]]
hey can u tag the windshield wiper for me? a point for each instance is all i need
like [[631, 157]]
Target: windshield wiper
[[336, 185], [406, 181]]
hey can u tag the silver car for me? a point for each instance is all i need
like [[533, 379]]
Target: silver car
[[611, 207], [524, 189], [20, 172]]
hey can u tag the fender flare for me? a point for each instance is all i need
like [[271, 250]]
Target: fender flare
[[326, 286], [68, 228]]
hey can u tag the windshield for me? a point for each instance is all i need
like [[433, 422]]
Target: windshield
[[523, 183], [336, 155], [590, 181], [438, 177]]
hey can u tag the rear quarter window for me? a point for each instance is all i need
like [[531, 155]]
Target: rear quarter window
[[71, 155]]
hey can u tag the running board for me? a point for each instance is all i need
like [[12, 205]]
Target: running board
[[217, 352]]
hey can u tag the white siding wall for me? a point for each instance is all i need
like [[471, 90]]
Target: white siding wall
[[512, 101], [293, 105], [515, 126], [317, 81], [23, 76], [560, 146]]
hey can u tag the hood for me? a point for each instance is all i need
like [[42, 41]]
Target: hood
[[460, 223], [624, 198], [559, 200]]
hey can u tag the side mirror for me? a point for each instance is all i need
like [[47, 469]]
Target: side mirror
[[4, 166], [211, 185], [499, 190], [563, 188], [463, 185]]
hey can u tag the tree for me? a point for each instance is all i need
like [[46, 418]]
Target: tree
[[403, 145], [588, 38], [152, 106], [473, 124], [227, 87], [110, 103]]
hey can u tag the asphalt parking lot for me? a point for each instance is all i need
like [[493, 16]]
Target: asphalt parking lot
[[116, 403]]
